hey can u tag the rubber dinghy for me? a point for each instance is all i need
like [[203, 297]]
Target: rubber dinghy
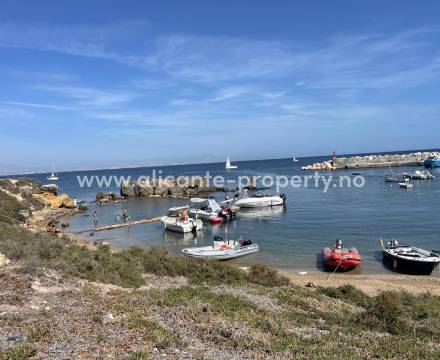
[[340, 258], [222, 249], [409, 259]]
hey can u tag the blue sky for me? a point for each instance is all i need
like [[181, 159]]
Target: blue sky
[[98, 83]]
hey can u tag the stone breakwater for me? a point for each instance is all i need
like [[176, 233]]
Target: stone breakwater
[[181, 188], [372, 161]]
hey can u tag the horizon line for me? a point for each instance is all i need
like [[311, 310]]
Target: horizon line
[[210, 162]]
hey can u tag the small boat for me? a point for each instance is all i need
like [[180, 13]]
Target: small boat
[[222, 249], [419, 175], [409, 259], [216, 220], [53, 176], [229, 166], [294, 159], [204, 209], [261, 201], [432, 162], [396, 178], [340, 258], [406, 185], [180, 225]]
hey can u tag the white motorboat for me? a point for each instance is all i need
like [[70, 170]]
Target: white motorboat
[[204, 209], [294, 159], [222, 249], [181, 226], [261, 201], [229, 166]]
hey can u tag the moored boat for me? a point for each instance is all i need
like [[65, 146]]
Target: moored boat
[[222, 249], [419, 175], [256, 201], [204, 209], [409, 259], [406, 185], [399, 178], [340, 258], [216, 220], [181, 225], [432, 162]]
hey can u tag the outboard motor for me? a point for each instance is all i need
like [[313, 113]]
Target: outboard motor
[[338, 244], [393, 243], [283, 196]]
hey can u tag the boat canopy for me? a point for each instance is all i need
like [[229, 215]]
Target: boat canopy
[[198, 202]]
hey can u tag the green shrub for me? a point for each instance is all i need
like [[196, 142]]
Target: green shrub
[[9, 208], [347, 293], [385, 312], [19, 352], [266, 276]]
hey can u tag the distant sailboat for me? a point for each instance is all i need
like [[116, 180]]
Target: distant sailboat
[[53, 176], [229, 166], [294, 159]]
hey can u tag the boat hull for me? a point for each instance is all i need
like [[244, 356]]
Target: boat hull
[[208, 252], [407, 266], [200, 214], [180, 226], [431, 163], [260, 202], [345, 261]]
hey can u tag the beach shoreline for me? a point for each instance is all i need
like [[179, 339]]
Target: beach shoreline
[[371, 284]]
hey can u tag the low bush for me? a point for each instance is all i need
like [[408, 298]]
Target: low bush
[[124, 268], [266, 276], [347, 293]]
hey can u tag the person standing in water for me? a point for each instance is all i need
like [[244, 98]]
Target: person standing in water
[[95, 217]]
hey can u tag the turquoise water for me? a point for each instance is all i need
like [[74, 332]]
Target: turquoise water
[[289, 238]]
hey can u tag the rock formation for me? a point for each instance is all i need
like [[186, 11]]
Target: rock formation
[[177, 188]]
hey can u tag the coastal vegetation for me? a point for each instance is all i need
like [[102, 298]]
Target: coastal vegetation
[[61, 300]]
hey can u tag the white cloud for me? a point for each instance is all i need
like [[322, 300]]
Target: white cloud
[[39, 106], [90, 96]]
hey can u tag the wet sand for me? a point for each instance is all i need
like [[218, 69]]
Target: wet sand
[[371, 284]]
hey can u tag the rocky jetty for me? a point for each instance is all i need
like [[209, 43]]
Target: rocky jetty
[[177, 188], [372, 161]]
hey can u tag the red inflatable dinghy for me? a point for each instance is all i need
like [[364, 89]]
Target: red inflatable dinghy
[[340, 258], [216, 220]]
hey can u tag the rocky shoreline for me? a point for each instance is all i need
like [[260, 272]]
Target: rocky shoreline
[[182, 188], [372, 161]]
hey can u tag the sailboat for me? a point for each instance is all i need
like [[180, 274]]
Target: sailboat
[[229, 166], [52, 176]]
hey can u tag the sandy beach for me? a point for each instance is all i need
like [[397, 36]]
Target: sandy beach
[[371, 284]]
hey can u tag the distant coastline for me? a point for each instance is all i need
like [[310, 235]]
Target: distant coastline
[[38, 172]]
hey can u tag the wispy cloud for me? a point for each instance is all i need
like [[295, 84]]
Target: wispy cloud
[[90, 96], [93, 41], [366, 60], [39, 106]]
